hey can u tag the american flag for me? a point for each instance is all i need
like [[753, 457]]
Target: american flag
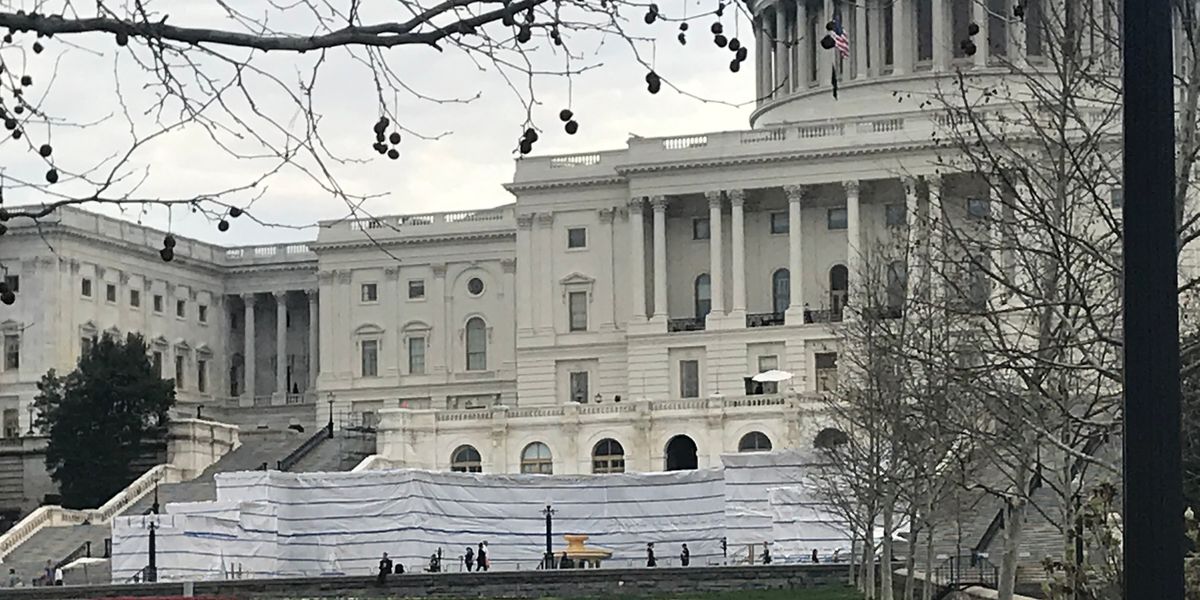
[[841, 41]]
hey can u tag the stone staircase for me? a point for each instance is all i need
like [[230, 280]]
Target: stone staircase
[[341, 453], [54, 544]]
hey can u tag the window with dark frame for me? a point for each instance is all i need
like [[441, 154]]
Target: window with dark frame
[[370, 292], [689, 379], [826, 371], [416, 356], [896, 214], [179, 371], [577, 237], [12, 352], [836, 218], [577, 307], [579, 386], [85, 287], [780, 222], [181, 308], [14, 282], [135, 298], [416, 289], [202, 375], [370, 358], [202, 313], [156, 359], [158, 303], [110, 292], [700, 229]]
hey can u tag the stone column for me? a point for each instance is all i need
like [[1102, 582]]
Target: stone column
[[901, 44], [548, 284], [1017, 42], [659, 204], [979, 14], [716, 276], [441, 322], [637, 239], [782, 81], [607, 290], [801, 39], [860, 42], [759, 40], [281, 388], [934, 248], [941, 48], [912, 216], [314, 331], [737, 199], [248, 372], [854, 262], [795, 310], [524, 271]]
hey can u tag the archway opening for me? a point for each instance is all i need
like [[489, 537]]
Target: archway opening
[[681, 454]]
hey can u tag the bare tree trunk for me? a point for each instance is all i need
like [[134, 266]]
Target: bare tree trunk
[[885, 561], [868, 586], [927, 585], [853, 559], [1014, 525], [910, 562]]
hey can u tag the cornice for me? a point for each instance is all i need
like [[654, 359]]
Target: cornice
[[563, 183], [385, 242], [777, 157]]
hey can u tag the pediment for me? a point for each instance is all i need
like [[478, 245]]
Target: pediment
[[576, 279], [181, 344], [203, 350], [368, 328], [159, 341], [89, 327]]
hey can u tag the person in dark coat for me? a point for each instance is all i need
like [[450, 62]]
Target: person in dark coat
[[766, 554], [685, 557], [385, 569], [481, 557], [650, 561], [470, 559], [815, 559]]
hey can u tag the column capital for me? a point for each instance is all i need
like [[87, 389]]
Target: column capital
[[312, 294], [851, 186], [545, 219], [795, 193], [392, 273], [714, 198], [736, 197], [280, 295], [659, 203], [934, 181], [508, 265], [636, 204], [525, 221], [439, 269], [248, 298], [607, 214]]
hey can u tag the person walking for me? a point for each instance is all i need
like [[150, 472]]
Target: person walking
[[815, 559], [481, 557], [14, 580], [650, 560], [766, 553], [685, 557], [470, 558]]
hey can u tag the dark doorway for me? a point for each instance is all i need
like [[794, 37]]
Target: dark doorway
[[681, 453]]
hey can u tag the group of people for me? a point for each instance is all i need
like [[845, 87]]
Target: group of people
[[685, 555], [474, 559]]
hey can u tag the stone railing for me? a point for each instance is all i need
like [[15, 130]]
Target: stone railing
[[429, 220], [687, 404], [607, 409], [615, 408], [374, 462], [57, 516], [535, 412]]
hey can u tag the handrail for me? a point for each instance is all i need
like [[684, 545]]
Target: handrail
[[309, 445]]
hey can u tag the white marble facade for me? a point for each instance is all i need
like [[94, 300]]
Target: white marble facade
[[623, 297]]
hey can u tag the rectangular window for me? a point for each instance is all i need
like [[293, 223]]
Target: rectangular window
[[924, 30], [14, 282], [158, 303], [12, 425], [416, 289], [960, 17], [416, 356], [779, 222], [202, 376], [370, 358], [577, 303], [110, 292], [156, 362], [978, 208], [178, 371], [766, 363], [85, 287], [85, 346], [826, 371], [997, 28], [689, 379], [370, 292], [180, 308], [12, 352], [579, 386], [836, 218], [700, 228], [577, 237], [202, 313], [135, 298], [895, 214]]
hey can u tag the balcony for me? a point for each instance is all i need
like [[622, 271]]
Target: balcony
[[771, 319], [823, 316], [685, 324]]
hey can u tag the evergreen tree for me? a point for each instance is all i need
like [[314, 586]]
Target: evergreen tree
[[101, 417]]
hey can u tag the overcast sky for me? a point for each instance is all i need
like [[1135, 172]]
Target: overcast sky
[[76, 81]]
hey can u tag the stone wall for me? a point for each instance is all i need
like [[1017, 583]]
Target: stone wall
[[512, 584]]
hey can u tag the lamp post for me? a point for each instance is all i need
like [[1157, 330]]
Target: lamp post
[[152, 565], [1153, 495], [330, 425], [548, 560]]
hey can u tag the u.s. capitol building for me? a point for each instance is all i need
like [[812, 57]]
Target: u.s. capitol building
[[607, 320]]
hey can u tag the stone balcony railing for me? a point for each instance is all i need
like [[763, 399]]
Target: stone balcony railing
[[628, 409], [489, 220]]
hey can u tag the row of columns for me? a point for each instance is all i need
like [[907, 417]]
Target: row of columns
[[795, 195], [249, 367], [784, 46]]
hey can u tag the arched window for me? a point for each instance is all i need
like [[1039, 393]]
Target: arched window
[[781, 290], [830, 438], [535, 458], [608, 457], [703, 296], [466, 459], [839, 287], [755, 441], [476, 345], [681, 454]]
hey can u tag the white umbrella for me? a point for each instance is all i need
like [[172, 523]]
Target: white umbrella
[[772, 376]]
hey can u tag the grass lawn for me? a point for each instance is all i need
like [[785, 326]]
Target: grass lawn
[[825, 593]]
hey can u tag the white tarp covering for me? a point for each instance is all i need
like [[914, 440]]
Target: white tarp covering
[[801, 523], [285, 524]]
